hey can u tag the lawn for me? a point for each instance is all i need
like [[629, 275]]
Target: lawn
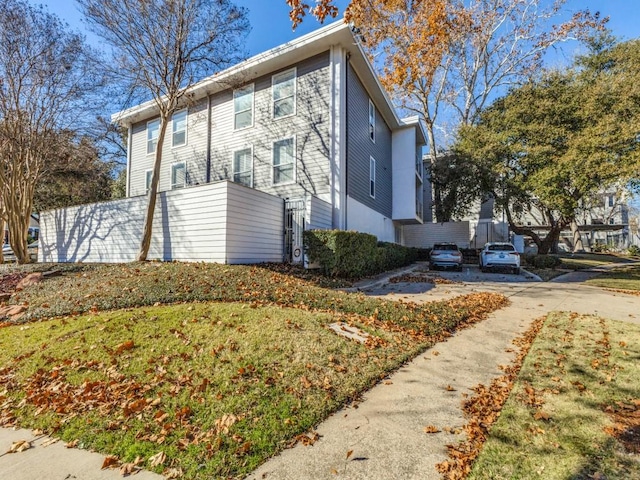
[[622, 278], [580, 261], [574, 411], [211, 368]]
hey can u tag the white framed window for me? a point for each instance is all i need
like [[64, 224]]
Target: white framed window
[[284, 165], [372, 121], [243, 166], [153, 130], [372, 177], [283, 88], [148, 175], [178, 175], [243, 107], [179, 128]]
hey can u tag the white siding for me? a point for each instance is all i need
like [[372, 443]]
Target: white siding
[[194, 153], [424, 236], [221, 222], [364, 219], [319, 214]]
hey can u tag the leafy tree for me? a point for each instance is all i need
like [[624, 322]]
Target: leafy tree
[[162, 48], [74, 175], [45, 80], [448, 59], [555, 142]]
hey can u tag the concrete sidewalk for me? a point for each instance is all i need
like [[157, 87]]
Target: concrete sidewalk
[[386, 430]]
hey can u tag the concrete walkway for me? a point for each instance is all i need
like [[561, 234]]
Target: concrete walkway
[[385, 432]]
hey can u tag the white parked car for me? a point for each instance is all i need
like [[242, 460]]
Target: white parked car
[[500, 255]]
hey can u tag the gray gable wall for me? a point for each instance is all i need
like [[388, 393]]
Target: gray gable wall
[[360, 148]]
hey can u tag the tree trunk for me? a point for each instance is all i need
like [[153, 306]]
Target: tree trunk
[[435, 183], [153, 191], [577, 238], [1, 233]]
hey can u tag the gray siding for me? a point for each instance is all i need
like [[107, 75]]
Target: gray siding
[[221, 222], [193, 153], [360, 148], [310, 127]]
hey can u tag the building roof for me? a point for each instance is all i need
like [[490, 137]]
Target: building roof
[[335, 34]]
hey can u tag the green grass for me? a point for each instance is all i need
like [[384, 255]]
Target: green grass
[[623, 278], [554, 424], [217, 366], [580, 261]]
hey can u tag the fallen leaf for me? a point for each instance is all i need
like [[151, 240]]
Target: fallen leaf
[[172, 473], [48, 442], [19, 446], [109, 462], [450, 388], [157, 459], [349, 453], [540, 415], [431, 429], [72, 444]]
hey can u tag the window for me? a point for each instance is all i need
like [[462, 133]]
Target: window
[[148, 176], [372, 177], [283, 88], [179, 128], [611, 200], [283, 161], [178, 175], [611, 221], [153, 130], [243, 107], [243, 167], [372, 121]]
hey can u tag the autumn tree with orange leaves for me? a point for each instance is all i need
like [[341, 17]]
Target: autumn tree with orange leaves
[[446, 59]]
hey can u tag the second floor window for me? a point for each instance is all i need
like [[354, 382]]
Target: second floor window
[[284, 94], [372, 121], [179, 128], [283, 161], [153, 130], [243, 107], [243, 167], [178, 175]]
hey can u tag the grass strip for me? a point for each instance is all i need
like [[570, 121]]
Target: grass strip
[[565, 417]]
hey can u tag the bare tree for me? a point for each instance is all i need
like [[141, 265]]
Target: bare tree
[[163, 47], [44, 79]]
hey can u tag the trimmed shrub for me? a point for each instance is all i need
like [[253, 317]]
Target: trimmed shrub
[[353, 254], [542, 261]]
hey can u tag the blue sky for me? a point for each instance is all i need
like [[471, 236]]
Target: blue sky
[[271, 26]]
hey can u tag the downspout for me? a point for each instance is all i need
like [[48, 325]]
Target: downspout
[[346, 138], [208, 174], [129, 146]]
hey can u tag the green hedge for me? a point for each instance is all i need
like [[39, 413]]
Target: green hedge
[[348, 254], [542, 261]]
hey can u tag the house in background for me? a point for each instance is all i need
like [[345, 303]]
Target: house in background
[[302, 136]]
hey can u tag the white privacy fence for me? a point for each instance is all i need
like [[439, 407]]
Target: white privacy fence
[[221, 222]]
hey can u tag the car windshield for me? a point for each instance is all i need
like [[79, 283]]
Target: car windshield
[[501, 248], [445, 246]]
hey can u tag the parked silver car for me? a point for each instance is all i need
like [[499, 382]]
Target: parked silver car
[[445, 255], [8, 255], [500, 255]]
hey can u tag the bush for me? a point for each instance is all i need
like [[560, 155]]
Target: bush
[[542, 261], [600, 248], [353, 254], [634, 250]]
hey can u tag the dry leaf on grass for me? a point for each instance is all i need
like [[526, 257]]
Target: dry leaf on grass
[[157, 459], [111, 461]]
